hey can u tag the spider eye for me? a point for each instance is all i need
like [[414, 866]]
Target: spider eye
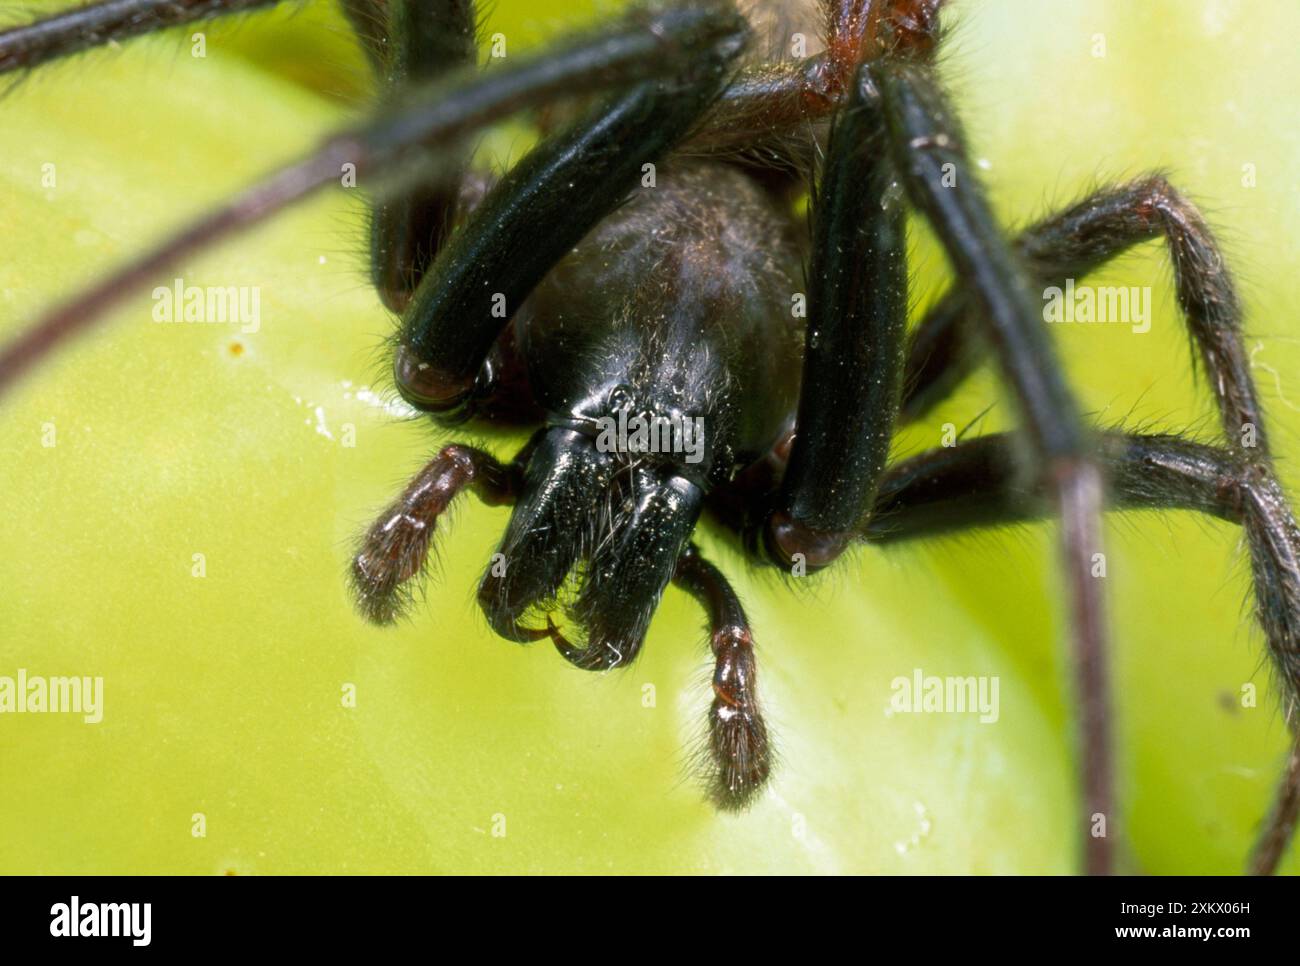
[[425, 386]]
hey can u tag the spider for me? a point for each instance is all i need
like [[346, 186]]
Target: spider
[[660, 293]]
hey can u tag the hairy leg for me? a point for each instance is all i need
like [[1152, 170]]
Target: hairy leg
[[857, 303], [568, 183], [626, 52], [95, 24], [852, 370], [412, 42], [395, 549], [738, 748], [927, 147], [976, 483], [1078, 240]]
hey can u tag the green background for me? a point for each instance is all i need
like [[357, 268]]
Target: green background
[[223, 693]]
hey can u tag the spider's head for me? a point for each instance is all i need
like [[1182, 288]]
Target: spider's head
[[595, 537]]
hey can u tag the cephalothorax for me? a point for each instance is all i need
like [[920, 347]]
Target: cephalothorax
[[643, 291]]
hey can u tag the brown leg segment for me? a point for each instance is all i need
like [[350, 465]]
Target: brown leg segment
[[740, 759], [395, 548]]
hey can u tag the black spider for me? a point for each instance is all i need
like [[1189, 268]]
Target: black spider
[[632, 288]]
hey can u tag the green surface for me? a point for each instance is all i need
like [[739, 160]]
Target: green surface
[[223, 692]]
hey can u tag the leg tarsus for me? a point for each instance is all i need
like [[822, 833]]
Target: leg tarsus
[[1279, 826], [1079, 499], [739, 752]]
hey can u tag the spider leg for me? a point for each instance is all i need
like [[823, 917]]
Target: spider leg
[[925, 142], [1076, 241], [975, 483], [394, 550], [629, 51], [567, 183], [370, 23], [413, 41], [1279, 825], [406, 41], [852, 370], [738, 744], [851, 374], [81, 28]]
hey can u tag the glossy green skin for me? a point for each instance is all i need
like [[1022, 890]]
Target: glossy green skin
[[223, 693]]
